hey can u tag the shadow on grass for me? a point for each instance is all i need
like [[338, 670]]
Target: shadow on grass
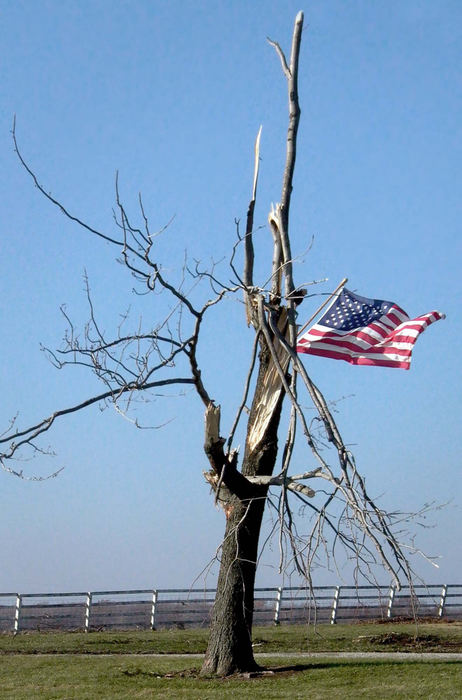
[[263, 672]]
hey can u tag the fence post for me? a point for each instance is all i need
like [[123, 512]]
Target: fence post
[[17, 612], [444, 592], [333, 615], [277, 607], [87, 611], [153, 609], [391, 598]]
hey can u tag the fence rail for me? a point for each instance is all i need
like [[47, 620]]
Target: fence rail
[[171, 607]]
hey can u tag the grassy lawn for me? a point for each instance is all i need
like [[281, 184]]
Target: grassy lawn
[[75, 665], [25, 677]]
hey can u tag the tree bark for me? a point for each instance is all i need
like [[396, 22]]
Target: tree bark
[[230, 642]]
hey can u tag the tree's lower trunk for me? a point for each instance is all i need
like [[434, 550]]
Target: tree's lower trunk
[[230, 643]]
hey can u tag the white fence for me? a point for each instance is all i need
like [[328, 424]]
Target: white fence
[[181, 608]]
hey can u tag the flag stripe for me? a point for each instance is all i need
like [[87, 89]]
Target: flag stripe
[[360, 360], [357, 349]]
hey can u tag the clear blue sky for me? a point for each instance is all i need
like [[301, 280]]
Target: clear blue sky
[[172, 94]]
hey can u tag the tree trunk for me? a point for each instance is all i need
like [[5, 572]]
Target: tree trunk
[[230, 642]]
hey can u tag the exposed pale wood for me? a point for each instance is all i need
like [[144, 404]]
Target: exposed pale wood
[[257, 164], [228, 483], [212, 424], [248, 242], [276, 272], [272, 390], [289, 482]]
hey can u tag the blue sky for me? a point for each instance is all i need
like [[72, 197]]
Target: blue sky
[[171, 94]]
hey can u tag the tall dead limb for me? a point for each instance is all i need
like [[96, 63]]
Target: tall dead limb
[[279, 217]]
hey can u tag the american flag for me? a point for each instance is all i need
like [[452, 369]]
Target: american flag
[[365, 332]]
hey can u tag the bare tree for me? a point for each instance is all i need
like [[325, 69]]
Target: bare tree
[[166, 354]]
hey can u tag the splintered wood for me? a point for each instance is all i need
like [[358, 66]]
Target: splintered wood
[[212, 425], [272, 389]]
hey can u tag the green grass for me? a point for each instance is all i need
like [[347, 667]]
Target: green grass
[[323, 638], [24, 677]]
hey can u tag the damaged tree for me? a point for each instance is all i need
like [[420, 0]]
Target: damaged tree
[[167, 354]]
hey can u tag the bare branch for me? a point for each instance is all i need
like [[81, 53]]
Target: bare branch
[[29, 434], [282, 57], [58, 204]]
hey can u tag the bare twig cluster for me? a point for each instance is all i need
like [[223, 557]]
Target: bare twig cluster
[[129, 361]]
